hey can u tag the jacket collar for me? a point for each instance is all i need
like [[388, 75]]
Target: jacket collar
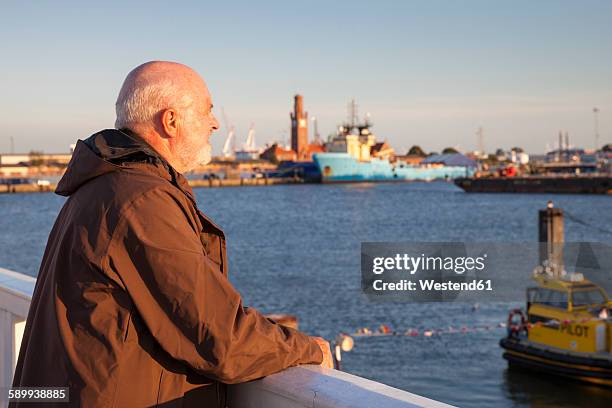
[[117, 150]]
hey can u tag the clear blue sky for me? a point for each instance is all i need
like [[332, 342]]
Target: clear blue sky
[[428, 72]]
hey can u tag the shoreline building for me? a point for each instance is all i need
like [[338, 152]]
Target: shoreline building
[[299, 128], [17, 165], [299, 133]]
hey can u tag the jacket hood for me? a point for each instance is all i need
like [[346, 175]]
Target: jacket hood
[[105, 152]]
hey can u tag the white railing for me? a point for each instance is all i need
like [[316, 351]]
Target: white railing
[[316, 387], [297, 387], [15, 294]]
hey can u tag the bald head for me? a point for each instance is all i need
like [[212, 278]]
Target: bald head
[[168, 104], [154, 86]]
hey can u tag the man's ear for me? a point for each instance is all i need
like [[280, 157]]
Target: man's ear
[[169, 119]]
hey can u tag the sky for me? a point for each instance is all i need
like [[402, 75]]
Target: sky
[[429, 73]]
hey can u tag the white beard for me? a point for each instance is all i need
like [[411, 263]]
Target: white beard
[[205, 156], [190, 158]]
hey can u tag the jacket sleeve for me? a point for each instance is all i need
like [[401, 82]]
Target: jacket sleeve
[[189, 306]]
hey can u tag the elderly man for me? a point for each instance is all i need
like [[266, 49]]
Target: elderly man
[[132, 306]]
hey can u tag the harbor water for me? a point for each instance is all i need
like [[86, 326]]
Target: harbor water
[[296, 249]]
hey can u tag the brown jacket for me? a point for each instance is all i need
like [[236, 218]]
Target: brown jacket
[[132, 306]]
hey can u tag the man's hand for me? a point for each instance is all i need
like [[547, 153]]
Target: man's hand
[[328, 361]]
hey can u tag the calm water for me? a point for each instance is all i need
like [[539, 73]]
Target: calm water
[[295, 249]]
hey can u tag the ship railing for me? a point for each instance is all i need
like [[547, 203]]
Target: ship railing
[[302, 386]]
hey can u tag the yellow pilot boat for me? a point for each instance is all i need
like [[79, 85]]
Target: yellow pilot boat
[[566, 332], [567, 329]]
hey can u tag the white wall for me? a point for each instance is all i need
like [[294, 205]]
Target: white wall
[[296, 387]]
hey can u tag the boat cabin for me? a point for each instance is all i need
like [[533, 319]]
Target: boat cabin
[[569, 313]]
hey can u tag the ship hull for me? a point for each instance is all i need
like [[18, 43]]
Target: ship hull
[[534, 184], [578, 366], [341, 167]]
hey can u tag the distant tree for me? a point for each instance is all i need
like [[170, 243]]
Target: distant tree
[[432, 154], [607, 148], [492, 158], [36, 158], [517, 149], [500, 152], [449, 150], [416, 151]]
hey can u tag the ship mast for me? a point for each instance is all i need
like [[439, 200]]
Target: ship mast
[[317, 137], [352, 111], [596, 119]]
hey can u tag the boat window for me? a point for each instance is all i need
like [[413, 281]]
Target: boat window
[[587, 297], [551, 297]]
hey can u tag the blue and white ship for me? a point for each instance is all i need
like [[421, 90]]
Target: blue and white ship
[[342, 167], [349, 158]]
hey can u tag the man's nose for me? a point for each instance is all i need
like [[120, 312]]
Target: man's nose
[[215, 123]]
